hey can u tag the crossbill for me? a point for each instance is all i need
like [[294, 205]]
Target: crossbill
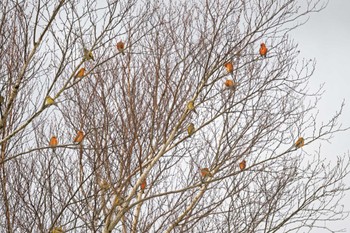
[[49, 101], [190, 129], [104, 185], [242, 165], [229, 67], [57, 230], [80, 73], [2, 100], [300, 142], [118, 200], [230, 84], [143, 185], [190, 106], [121, 47], [80, 136], [88, 55], [263, 50], [205, 172], [53, 142]]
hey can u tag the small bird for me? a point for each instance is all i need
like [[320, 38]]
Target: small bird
[[263, 50], [190, 129], [57, 230], [121, 47], [205, 172], [229, 67], [2, 99], [230, 84], [80, 73], [80, 136], [143, 185], [118, 200], [300, 142], [242, 165], [104, 185], [88, 55], [190, 106], [53, 142], [49, 101]]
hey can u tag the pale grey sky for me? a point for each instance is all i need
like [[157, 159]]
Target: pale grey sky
[[326, 37]]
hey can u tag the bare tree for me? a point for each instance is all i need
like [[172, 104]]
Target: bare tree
[[132, 116]]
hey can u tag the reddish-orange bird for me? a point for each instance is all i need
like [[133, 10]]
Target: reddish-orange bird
[[229, 67], [121, 47], [143, 185], [300, 142], [80, 73], [229, 83], [242, 165], [79, 137], [53, 142], [205, 172], [263, 50]]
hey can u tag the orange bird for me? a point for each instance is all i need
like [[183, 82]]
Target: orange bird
[[143, 185], [263, 50], [242, 165], [121, 47], [300, 142], [53, 142], [229, 67], [229, 83], [205, 172], [80, 73], [79, 137]]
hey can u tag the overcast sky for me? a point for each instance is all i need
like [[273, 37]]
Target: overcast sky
[[326, 37]]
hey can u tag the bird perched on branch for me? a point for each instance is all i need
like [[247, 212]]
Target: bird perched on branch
[[80, 73], [229, 67], [118, 200], [242, 165], [2, 100], [205, 172], [300, 142], [80, 136], [121, 47], [190, 106], [190, 129], [57, 230], [263, 50], [230, 84], [88, 55], [143, 185], [104, 185], [53, 143], [49, 101]]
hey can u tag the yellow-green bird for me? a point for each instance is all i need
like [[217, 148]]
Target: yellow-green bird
[[190, 129], [49, 101], [118, 200], [190, 106], [57, 230], [104, 185], [2, 99], [88, 55]]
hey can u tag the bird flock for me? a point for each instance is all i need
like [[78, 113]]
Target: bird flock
[[204, 172]]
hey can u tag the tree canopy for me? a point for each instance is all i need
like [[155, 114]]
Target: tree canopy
[[152, 116]]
